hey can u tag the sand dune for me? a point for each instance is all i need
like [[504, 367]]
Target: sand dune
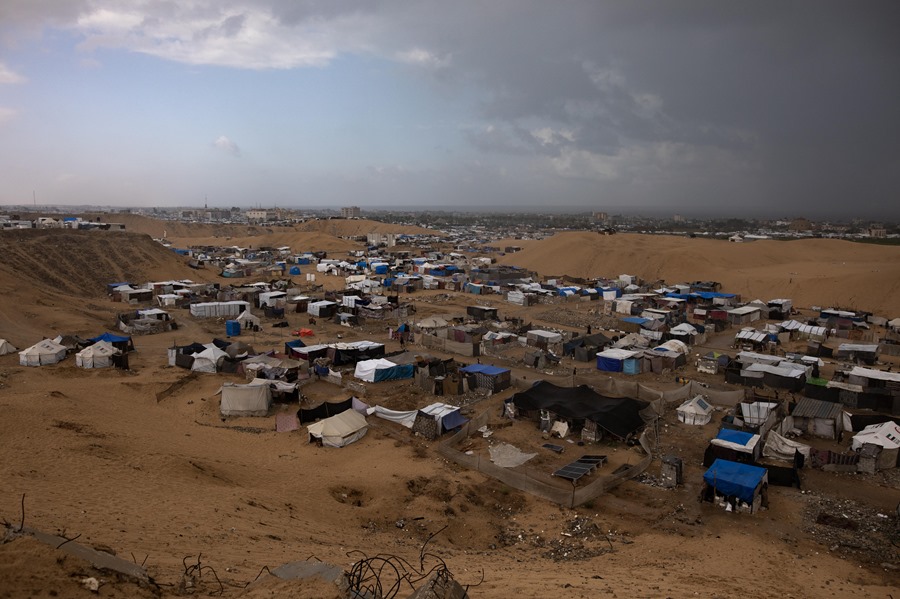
[[822, 272]]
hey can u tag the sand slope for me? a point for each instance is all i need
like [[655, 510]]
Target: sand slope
[[822, 272]]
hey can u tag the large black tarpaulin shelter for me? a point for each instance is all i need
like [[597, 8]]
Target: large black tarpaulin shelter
[[619, 416]]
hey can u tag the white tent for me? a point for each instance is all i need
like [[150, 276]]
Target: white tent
[[246, 319], [339, 430], [208, 359], [365, 369], [252, 399], [6, 347], [695, 411], [98, 355], [41, 353], [885, 434]]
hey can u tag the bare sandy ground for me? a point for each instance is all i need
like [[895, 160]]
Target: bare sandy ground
[[156, 476]]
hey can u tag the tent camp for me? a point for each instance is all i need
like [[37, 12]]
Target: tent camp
[[743, 482], [42, 353], [339, 430], [6, 347], [252, 399], [380, 369], [98, 355], [695, 411]]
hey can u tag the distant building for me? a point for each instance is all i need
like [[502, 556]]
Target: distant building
[[601, 217], [678, 218], [388, 239], [350, 212], [260, 216], [877, 232]]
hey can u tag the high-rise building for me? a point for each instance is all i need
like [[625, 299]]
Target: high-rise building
[[350, 212]]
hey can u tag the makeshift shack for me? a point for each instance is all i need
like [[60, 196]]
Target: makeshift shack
[[736, 482]]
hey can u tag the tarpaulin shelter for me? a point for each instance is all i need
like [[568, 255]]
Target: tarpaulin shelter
[[339, 430], [438, 418], [252, 399], [310, 412], [381, 369], [124, 344], [745, 482], [613, 360], [491, 378], [619, 416], [736, 446]]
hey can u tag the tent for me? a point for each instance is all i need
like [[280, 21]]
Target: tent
[[247, 320], [491, 378], [124, 344], [339, 430], [613, 360], [6, 347], [433, 421], [737, 446], [380, 369], [208, 359], [695, 411], [98, 355], [619, 416], [742, 481], [252, 399], [42, 353], [886, 434]]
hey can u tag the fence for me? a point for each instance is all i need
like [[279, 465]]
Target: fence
[[571, 496]]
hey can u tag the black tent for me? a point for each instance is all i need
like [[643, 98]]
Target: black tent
[[620, 416]]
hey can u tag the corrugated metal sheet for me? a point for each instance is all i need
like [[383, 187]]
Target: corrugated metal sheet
[[814, 408]]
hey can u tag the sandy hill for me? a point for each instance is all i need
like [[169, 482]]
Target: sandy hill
[[824, 272], [55, 280]]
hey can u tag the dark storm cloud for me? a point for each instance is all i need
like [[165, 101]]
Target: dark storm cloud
[[806, 92]]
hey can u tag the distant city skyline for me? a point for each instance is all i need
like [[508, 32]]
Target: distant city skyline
[[765, 109]]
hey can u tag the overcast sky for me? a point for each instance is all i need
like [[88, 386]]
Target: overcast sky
[[771, 108]]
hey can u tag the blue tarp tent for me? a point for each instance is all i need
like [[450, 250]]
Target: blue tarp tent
[[732, 478], [483, 369], [123, 343], [290, 345], [613, 360], [295, 270], [736, 437]]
